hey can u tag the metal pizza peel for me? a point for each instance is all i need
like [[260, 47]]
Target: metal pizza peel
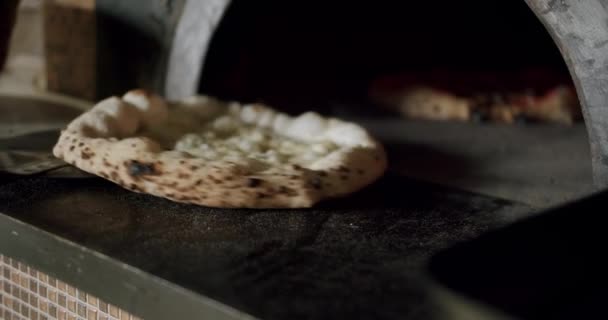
[[31, 154]]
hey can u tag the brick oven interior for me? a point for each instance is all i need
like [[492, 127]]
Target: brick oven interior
[[325, 56]]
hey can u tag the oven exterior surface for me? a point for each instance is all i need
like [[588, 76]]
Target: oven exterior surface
[[580, 31]]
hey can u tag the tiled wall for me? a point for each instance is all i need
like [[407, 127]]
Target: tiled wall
[[26, 293]]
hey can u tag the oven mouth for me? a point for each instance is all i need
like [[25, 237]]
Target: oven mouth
[[279, 54]]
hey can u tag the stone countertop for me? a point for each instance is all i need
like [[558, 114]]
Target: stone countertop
[[359, 257]]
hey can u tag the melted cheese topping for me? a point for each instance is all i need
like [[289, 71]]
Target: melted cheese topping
[[227, 138]]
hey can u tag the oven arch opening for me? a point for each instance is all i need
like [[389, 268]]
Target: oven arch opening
[[278, 53]]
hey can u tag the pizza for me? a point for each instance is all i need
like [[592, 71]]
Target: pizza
[[204, 151], [458, 98]]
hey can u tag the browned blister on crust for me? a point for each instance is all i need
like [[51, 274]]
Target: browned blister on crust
[[107, 141]]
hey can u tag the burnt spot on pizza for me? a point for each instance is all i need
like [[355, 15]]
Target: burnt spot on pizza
[[136, 168], [182, 161], [114, 175], [296, 167], [343, 169], [261, 195], [107, 164], [103, 174], [254, 182], [133, 186], [193, 168], [86, 154], [288, 191], [198, 182], [133, 145], [316, 183], [170, 195], [214, 179], [183, 175], [72, 148], [81, 144]]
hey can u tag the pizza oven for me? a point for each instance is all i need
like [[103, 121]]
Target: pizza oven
[[415, 243]]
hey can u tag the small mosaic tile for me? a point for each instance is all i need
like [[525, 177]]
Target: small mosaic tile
[[44, 306], [25, 310], [103, 307], [27, 293], [82, 296], [53, 310], [53, 296], [82, 310], [62, 286], [92, 301], [71, 291], [42, 291], [113, 311], [33, 285], [52, 282], [62, 300], [92, 314], [72, 305]]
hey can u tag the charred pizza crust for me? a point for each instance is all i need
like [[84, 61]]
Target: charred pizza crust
[[558, 105], [123, 140]]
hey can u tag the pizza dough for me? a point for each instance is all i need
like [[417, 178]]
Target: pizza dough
[[208, 152]]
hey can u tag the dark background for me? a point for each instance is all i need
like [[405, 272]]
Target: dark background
[[312, 54]]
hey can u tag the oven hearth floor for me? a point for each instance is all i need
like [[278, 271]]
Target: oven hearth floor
[[539, 165]]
